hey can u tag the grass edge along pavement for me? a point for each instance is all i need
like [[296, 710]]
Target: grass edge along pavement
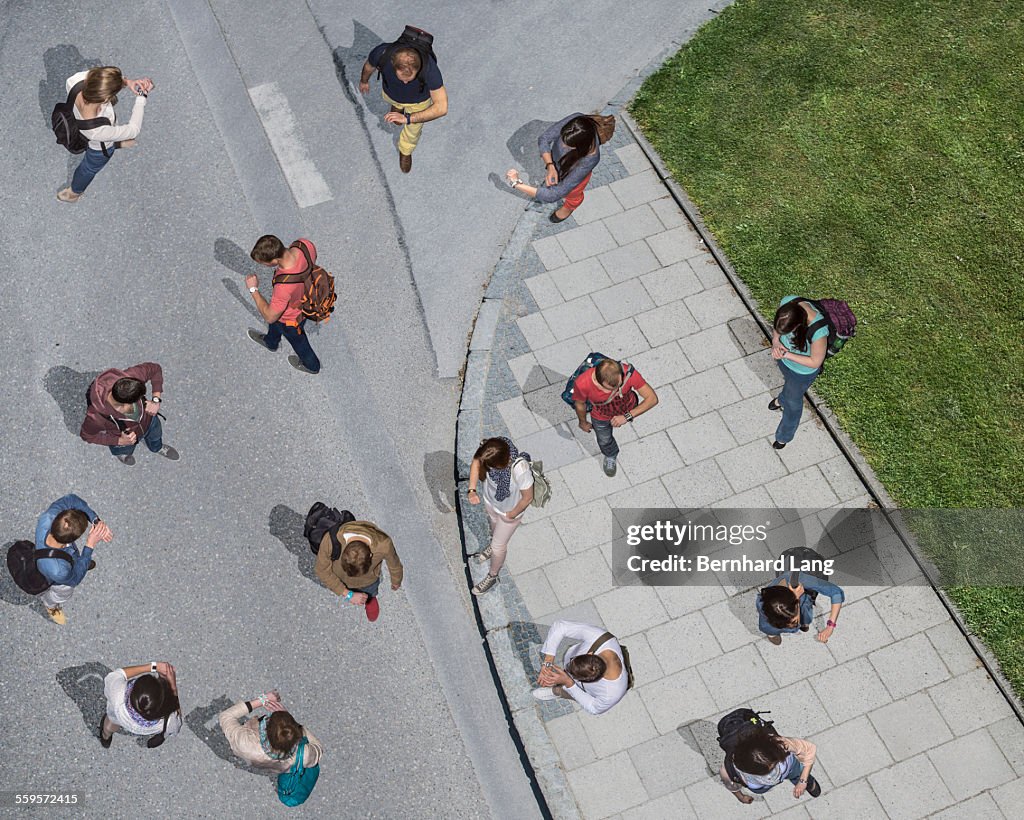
[[743, 115]]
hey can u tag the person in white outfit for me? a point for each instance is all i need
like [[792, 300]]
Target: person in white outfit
[[507, 491], [96, 98], [142, 700], [594, 671]]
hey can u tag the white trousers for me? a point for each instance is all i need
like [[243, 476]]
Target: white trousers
[[56, 595]]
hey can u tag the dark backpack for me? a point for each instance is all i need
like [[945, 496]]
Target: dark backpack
[[592, 360], [420, 41], [318, 296], [838, 318], [321, 520], [21, 563], [67, 127], [739, 724]]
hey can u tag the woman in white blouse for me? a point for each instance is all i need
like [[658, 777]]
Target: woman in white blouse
[[142, 700], [507, 491], [96, 98]]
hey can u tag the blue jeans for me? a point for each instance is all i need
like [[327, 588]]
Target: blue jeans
[[154, 439], [371, 590], [92, 163], [792, 400], [297, 338], [605, 437]]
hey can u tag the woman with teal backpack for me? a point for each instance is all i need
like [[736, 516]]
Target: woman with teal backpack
[[274, 742]]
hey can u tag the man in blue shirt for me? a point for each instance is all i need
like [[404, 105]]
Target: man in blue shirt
[[58, 528], [414, 90]]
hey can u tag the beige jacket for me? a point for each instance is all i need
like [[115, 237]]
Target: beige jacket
[[244, 740], [381, 550]]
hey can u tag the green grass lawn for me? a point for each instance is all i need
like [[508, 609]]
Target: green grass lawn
[[873, 150]]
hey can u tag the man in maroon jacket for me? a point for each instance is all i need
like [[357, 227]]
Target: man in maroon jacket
[[119, 414]]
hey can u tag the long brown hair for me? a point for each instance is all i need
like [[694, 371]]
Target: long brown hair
[[493, 454], [102, 84], [792, 318], [580, 134], [605, 126]]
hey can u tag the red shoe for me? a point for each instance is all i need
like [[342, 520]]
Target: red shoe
[[372, 610]]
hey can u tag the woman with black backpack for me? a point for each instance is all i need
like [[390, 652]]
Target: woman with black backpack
[[571, 149], [761, 760], [799, 346], [142, 700], [93, 95]]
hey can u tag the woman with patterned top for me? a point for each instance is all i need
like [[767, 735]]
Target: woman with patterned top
[[762, 760], [507, 491], [142, 700]]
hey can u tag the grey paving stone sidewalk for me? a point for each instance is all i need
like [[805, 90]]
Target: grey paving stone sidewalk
[[906, 720]]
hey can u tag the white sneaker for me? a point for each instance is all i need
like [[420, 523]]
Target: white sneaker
[[545, 693]]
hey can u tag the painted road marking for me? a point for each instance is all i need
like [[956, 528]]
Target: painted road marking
[[308, 186]]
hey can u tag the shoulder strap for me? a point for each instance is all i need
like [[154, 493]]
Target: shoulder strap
[[626, 373], [75, 91], [602, 639], [305, 253], [52, 553]]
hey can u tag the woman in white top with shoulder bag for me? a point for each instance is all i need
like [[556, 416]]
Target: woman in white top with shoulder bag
[[507, 491], [96, 98]]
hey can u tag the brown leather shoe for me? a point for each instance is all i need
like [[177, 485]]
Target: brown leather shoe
[[405, 162]]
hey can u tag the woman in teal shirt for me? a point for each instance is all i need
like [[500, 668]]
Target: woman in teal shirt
[[799, 352]]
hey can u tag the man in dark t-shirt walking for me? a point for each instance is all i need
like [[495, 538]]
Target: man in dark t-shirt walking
[[415, 92]]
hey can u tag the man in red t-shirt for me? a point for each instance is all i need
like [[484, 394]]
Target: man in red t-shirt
[[282, 312], [609, 392]]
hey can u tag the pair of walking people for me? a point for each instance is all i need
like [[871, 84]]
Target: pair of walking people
[[142, 700]]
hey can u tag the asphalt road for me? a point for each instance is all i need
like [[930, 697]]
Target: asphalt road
[[208, 568]]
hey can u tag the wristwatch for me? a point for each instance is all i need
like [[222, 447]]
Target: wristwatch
[[253, 290], [157, 399], [152, 667], [408, 118], [628, 415]]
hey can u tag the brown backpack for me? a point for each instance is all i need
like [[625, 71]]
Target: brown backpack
[[318, 295]]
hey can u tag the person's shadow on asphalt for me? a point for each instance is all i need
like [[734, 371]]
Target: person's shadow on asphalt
[[286, 526], [69, 389], [84, 685], [348, 65], [203, 722], [522, 145], [437, 472], [232, 257], [61, 62]]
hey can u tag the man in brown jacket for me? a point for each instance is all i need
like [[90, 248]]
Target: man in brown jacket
[[356, 573], [119, 414]]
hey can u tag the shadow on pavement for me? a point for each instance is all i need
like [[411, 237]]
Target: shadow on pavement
[[702, 737], [199, 720], [437, 472], [232, 257], [348, 64], [522, 145], [286, 526], [61, 62], [68, 388], [84, 685]]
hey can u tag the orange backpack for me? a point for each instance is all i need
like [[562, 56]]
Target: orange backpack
[[318, 295]]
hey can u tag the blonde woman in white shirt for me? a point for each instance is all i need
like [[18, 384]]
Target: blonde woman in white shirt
[[96, 98], [507, 491]]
